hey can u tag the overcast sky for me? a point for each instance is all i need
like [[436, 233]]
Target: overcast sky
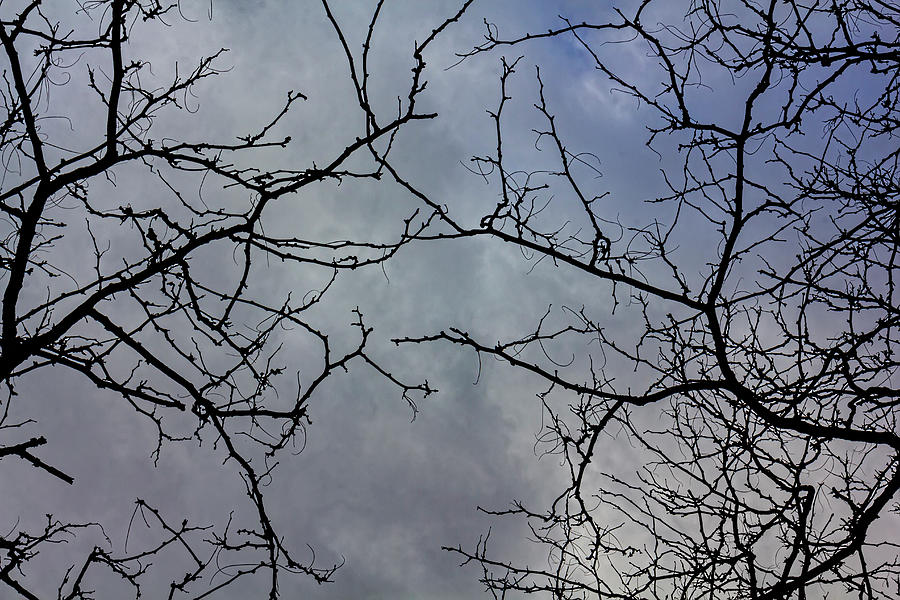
[[373, 488]]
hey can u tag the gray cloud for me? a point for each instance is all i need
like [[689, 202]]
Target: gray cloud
[[372, 487]]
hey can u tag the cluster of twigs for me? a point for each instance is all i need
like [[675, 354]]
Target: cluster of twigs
[[758, 396], [110, 281]]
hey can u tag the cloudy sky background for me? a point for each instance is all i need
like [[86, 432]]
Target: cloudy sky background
[[372, 487]]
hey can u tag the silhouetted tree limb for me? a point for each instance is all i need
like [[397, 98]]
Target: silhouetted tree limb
[[137, 312], [760, 391]]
